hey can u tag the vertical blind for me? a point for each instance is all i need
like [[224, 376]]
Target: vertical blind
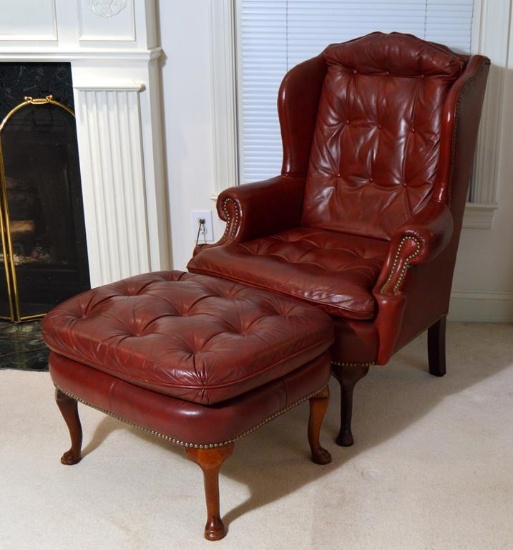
[[275, 35]]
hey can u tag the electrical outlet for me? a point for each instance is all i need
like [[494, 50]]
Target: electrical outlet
[[203, 233]]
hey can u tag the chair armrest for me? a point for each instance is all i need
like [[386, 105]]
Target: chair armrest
[[262, 208], [418, 241]]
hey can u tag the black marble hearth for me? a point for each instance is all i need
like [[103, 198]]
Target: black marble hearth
[[21, 347]]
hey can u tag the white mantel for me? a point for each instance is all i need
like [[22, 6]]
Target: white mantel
[[114, 54]]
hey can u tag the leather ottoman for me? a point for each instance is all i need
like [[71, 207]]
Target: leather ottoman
[[195, 360]]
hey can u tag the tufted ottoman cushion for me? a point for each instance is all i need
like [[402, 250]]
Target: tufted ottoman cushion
[[194, 337]]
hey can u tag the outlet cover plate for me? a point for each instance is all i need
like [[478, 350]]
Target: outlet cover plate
[[208, 236]]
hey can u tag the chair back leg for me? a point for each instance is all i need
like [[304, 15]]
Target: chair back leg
[[436, 347]]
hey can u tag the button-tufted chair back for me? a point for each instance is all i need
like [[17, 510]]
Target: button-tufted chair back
[[375, 157]]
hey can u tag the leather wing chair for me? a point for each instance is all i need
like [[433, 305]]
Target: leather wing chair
[[379, 135]]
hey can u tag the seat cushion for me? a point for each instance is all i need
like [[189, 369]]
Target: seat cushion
[[189, 336], [331, 270]]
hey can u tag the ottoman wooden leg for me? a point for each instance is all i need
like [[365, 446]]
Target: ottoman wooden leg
[[210, 461], [69, 410], [318, 405]]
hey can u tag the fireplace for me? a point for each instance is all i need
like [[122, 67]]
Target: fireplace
[[44, 253], [111, 50]]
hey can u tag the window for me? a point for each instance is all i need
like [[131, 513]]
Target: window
[[275, 35]]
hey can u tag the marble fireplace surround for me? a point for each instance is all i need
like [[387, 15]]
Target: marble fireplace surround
[[113, 50]]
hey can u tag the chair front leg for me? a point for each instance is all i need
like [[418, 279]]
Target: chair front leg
[[210, 461], [347, 376]]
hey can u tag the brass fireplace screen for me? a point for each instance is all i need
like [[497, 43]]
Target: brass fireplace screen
[[44, 255]]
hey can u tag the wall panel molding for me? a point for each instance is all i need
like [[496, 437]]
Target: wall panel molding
[[17, 26], [96, 22]]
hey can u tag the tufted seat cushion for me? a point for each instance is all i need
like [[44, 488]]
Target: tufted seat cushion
[[334, 271], [193, 337]]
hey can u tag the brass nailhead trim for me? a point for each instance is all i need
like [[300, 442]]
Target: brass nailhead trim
[[406, 265], [186, 444], [236, 220], [338, 364]]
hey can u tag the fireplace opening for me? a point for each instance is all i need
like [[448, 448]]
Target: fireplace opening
[[44, 253]]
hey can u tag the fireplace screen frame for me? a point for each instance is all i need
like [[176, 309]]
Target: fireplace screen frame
[[9, 253]]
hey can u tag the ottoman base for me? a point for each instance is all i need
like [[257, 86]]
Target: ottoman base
[[210, 456]]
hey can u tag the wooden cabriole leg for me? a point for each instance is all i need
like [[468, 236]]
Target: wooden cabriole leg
[[318, 406], [210, 461], [347, 376], [436, 347], [69, 410]]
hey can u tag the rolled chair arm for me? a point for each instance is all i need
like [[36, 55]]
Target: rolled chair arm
[[259, 209], [418, 241]]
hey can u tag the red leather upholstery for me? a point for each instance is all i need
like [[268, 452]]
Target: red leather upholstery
[[196, 338], [379, 135]]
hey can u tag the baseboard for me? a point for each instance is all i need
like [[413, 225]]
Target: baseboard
[[481, 307]]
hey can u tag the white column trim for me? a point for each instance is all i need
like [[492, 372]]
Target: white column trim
[[113, 183], [224, 84], [491, 38]]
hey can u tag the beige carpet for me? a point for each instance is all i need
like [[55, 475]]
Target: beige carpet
[[432, 468]]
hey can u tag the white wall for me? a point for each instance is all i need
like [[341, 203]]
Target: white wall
[[483, 285], [483, 281], [187, 92]]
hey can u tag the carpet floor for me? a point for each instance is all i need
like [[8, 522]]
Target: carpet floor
[[431, 469]]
